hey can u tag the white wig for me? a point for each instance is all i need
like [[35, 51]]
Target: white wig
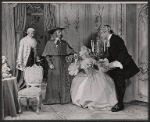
[[30, 30], [3, 57]]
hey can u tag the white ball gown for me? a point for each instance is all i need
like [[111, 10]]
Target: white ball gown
[[92, 88]]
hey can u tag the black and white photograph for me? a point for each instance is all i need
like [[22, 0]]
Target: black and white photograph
[[74, 60]]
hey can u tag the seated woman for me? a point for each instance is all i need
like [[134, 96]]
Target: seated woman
[[91, 87]]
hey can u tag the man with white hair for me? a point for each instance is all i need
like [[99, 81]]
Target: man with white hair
[[26, 55]]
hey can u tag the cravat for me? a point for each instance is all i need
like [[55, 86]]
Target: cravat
[[58, 42], [108, 43]]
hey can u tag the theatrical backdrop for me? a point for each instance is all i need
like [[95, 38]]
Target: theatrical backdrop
[[82, 22]]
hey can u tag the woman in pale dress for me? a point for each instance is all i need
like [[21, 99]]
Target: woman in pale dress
[[91, 87]]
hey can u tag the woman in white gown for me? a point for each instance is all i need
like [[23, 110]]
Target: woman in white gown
[[91, 87]]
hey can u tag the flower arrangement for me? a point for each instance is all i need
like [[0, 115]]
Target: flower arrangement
[[5, 69]]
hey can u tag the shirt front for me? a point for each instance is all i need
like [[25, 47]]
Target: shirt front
[[108, 41]]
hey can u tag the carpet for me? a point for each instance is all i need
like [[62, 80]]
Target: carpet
[[134, 110]]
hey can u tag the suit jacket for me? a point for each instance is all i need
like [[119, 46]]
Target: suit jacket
[[118, 51]]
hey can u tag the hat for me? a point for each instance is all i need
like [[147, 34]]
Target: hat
[[55, 29]]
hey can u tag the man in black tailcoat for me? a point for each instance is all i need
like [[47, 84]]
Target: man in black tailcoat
[[118, 52]]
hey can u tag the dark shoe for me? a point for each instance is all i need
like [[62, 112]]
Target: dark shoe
[[117, 107]]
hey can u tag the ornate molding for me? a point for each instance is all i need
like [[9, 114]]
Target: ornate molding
[[66, 21], [143, 60], [76, 23], [143, 74], [3, 20], [98, 17], [143, 63], [120, 20], [12, 4], [143, 14], [35, 7]]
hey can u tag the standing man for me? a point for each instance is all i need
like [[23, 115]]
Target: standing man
[[59, 81], [118, 52], [26, 56]]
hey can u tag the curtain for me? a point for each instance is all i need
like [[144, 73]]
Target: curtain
[[8, 35], [19, 23], [49, 18]]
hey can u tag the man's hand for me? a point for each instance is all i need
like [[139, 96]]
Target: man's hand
[[51, 66], [115, 64]]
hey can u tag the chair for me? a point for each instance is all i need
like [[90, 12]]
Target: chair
[[33, 77]]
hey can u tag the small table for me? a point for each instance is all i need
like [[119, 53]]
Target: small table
[[10, 104]]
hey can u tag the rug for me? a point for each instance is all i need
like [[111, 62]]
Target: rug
[[134, 110]]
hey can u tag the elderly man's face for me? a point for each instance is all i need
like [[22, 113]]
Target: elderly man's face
[[31, 33], [59, 33]]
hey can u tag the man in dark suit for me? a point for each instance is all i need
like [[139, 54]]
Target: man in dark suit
[[118, 52]]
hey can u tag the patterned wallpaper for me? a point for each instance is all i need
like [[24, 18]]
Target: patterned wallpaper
[[143, 59], [82, 21]]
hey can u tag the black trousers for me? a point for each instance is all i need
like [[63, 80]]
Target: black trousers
[[119, 80]]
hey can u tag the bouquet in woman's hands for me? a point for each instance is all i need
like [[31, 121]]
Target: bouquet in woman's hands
[[103, 63], [74, 68]]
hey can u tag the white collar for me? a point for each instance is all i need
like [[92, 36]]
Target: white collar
[[109, 36], [108, 41], [57, 40]]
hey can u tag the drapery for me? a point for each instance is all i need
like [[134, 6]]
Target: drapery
[[20, 22], [49, 18], [8, 35]]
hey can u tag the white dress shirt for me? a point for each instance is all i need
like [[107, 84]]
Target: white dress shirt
[[108, 41]]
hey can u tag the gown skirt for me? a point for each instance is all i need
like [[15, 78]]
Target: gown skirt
[[94, 91]]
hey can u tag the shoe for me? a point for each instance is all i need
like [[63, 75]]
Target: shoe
[[117, 107]]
